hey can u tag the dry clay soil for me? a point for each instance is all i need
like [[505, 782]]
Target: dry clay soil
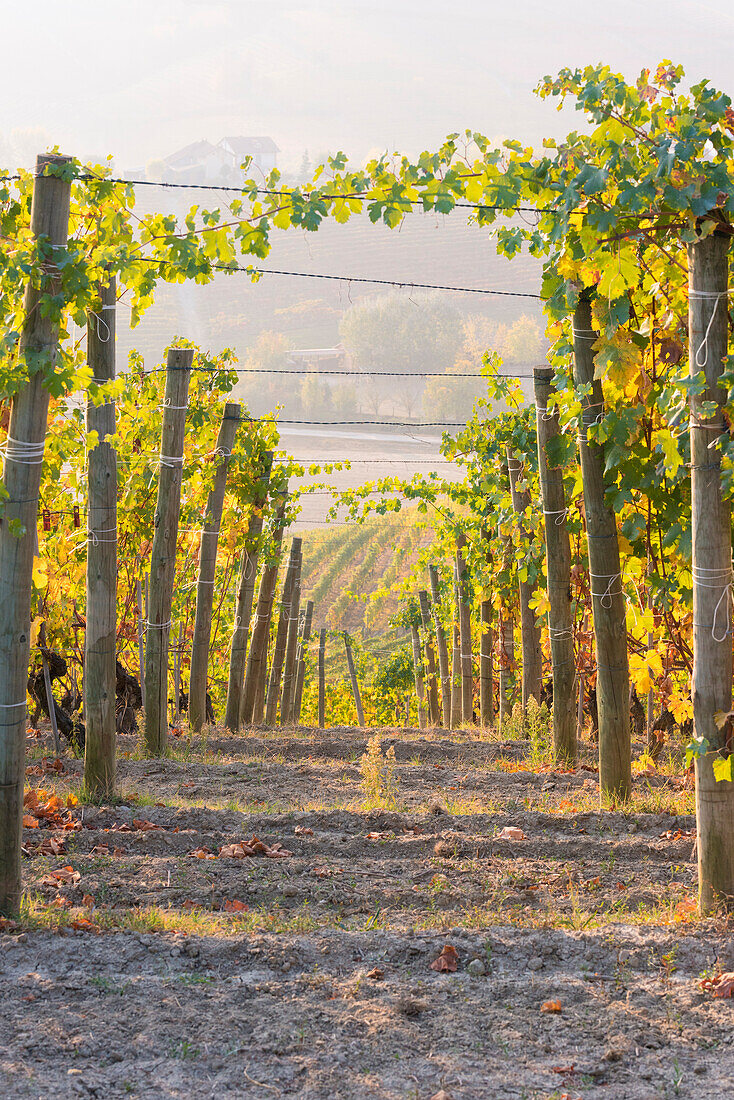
[[322, 986]]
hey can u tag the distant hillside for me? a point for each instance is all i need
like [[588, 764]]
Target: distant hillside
[[343, 567]]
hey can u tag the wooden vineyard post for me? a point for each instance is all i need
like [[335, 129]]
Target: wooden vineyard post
[[281, 635], [163, 554], [100, 660], [254, 691], [711, 685], [558, 566], [441, 646], [177, 678], [420, 689], [23, 457], [305, 639], [610, 626], [434, 715], [532, 656], [322, 678], [43, 646], [455, 708], [141, 640], [353, 678], [486, 694], [467, 679], [580, 709], [207, 567], [245, 594], [291, 647], [507, 663]]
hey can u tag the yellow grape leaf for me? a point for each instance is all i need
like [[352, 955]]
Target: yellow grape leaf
[[40, 572], [669, 446], [640, 674], [654, 661], [681, 708], [539, 602], [646, 621], [723, 768], [625, 546], [35, 627]]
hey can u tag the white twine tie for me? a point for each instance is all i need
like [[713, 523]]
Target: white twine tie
[[22, 452], [716, 578], [607, 594]]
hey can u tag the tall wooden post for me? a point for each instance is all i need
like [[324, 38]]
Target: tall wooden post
[[302, 649], [163, 555], [467, 678], [486, 694], [100, 660], [253, 691], [208, 566], [610, 626], [23, 457], [486, 686], [711, 685], [558, 566], [43, 646], [177, 677], [353, 678], [322, 678], [245, 594], [420, 689], [142, 616], [507, 663], [442, 648], [434, 715], [532, 655], [276, 669], [291, 645], [455, 709]]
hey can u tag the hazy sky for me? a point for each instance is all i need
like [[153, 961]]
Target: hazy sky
[[141, 78]]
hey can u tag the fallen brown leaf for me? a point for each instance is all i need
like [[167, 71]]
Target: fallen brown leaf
[[721, 985], [551, 1006], [52, 846], [447, 961], [234, 905], [144, 826], [303, 830], [376, 974], [84, 924], [202, 853], [511, 832], [62, 876]]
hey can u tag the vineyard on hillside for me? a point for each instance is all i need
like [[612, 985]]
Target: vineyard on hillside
[[448, 786], [354, 574]]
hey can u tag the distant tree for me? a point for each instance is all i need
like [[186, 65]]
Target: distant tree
[[518, 345], [265, 392], [316, 397], [344, 398], [402, 334], [524, 342], [306, 168]]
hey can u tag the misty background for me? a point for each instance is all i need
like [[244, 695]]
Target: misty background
[[182, 89]]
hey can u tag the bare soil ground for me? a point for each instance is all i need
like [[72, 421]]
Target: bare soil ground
[[147, 971]]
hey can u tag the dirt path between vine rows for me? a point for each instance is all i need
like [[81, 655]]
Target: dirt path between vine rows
[[160, 959]]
